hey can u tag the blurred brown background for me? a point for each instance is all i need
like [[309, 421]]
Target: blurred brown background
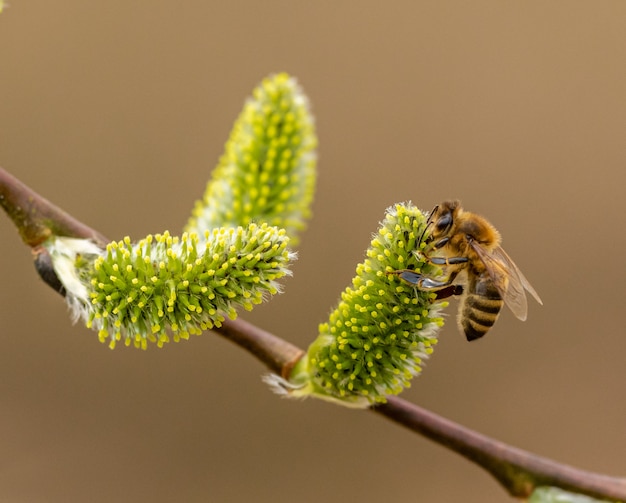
[[117, 111]]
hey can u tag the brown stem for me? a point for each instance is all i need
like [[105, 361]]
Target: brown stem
[[36, 218], [277, 354], [520, 472]]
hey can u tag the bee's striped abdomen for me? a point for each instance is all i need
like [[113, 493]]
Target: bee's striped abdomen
[[480, 308]]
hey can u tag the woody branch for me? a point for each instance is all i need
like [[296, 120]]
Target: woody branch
[[518, 471]]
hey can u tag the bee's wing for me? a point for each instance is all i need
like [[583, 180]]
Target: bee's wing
[[525, 283], [507, 278]]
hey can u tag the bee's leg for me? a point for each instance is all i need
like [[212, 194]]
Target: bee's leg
[[446, 260], [449, 291], [443, 289], [441, 243], [442, 261]]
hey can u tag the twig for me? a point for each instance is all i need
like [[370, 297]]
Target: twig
[[36, 218], [519, 471], [277, 354]]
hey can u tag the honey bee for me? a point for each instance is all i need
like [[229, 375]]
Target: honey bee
[[463, 242]]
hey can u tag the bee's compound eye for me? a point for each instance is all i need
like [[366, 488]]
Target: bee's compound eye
[[444, 222]]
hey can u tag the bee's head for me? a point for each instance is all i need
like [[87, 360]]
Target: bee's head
[[441, 220]]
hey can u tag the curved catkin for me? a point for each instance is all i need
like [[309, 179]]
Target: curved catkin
[[166, 286], [268, 170], [377, 338]]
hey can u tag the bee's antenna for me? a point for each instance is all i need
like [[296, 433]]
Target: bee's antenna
[[429, 222]]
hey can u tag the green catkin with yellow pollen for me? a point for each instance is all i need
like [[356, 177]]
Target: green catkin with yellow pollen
[[268, 170], [377, 338], [166, 286]]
